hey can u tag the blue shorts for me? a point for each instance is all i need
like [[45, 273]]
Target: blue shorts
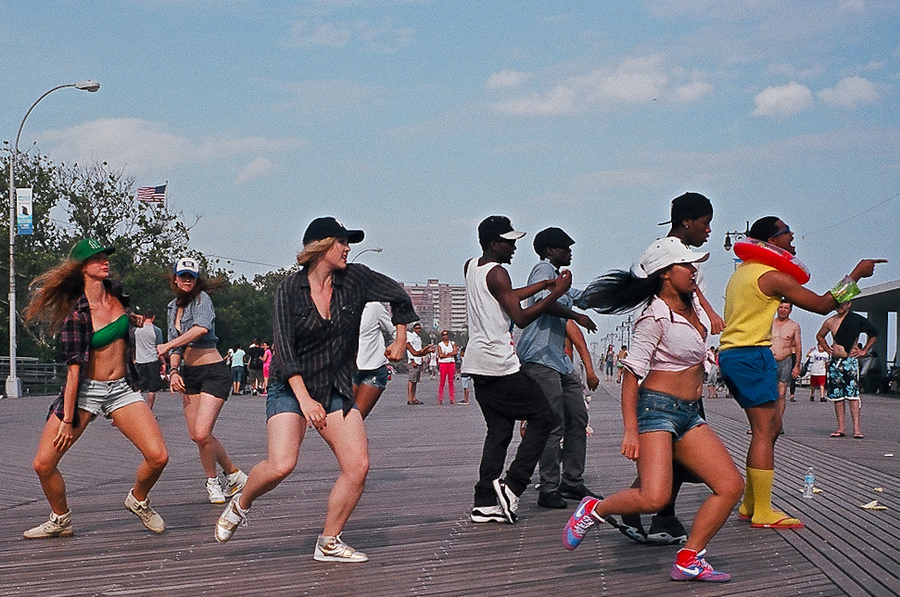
[[281, 399], [377, 378], [662, 412], [750, 374]]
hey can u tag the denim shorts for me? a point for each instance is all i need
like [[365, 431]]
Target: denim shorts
[[281, 399], [377, 378], [661, 412], [103, 397]]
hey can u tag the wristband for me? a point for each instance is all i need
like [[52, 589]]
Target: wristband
[[67, 422], [845, 290]]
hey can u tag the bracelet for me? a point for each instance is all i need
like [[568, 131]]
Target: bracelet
[[845, 290], [67, 422], [174, 371]]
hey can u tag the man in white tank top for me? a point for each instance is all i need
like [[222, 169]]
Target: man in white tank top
[[503, 392]]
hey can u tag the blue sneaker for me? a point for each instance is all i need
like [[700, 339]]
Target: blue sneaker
[[697, 568], [580, 522]]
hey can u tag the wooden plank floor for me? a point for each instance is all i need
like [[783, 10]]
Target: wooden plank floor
[[413, 518]]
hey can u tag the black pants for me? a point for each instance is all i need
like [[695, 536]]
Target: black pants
[[503, 401]]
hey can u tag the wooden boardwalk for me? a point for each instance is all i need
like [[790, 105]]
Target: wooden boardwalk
[[413, 519]]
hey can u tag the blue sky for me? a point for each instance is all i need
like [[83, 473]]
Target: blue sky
[[415, 119]]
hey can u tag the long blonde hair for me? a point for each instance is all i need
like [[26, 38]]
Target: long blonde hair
[[53, 294], [314, 249]]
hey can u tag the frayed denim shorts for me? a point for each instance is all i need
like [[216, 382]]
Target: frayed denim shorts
[[280, 398], [103, 397], [662, 412], [377, 378]]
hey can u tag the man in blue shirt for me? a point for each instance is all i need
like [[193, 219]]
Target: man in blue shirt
[[542, 351]]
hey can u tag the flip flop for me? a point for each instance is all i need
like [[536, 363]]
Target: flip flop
[[858, 436], [838, 434], [744, 517], [782, 523]]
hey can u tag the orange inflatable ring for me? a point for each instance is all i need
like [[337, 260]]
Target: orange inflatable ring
[[767, 253]]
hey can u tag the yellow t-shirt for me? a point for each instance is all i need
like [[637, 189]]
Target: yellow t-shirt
[[748, 312]]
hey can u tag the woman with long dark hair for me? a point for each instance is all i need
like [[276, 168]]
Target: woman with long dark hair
[[661, 389], [96, 328], [198, 371], [317, 316]]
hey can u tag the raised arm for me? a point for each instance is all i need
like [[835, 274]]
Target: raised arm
[[500, 286], [573, 333]]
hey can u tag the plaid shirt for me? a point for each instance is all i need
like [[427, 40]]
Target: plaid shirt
[[75, 340], [323, 351]]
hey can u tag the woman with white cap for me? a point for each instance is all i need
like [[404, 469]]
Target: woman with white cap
[[661, 387], [198, 371], [96, 331]]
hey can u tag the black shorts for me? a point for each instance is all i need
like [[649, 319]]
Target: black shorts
[[214, 378], [149, 379]]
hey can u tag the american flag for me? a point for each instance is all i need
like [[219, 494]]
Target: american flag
[[152, 194]]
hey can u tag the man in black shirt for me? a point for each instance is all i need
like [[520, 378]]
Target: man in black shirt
[[255, 366]]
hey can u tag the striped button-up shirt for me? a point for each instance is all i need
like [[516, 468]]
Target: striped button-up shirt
[[323, 351]]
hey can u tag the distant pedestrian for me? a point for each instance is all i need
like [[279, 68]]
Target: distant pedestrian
[[845, 328], [238, 368], [370, 377], [786, 348], [446, 357], [267, 366], [255, 367], [610, 362], [415, 364], [146, 359], [198, 371], [818, 371], [620, 362]]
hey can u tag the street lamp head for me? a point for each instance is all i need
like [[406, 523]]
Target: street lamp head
[[88, 85]]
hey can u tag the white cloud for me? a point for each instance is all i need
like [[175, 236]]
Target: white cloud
[[386, 37], [140, 146], [257, 167], [850, 92], [633, 81], [506, 79], [782, 100]]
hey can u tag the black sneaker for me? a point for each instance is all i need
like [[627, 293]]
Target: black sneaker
[[630, 526], [551, 499], [577, 492], [666, 530]]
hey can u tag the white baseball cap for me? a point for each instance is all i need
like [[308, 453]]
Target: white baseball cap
[[186, 265], [665, 252]]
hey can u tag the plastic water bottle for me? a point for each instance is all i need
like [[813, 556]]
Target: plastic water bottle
[[809, 481]]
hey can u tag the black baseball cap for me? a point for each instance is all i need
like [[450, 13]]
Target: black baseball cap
[[328, 227], [689, 206], [496, 227], [551, 237]]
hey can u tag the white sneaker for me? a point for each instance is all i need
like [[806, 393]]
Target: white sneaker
[[507, 500], [230, 519], [214, 489], [148, 515], [333, 549], [234, 483], [59, 525], [488, 514]]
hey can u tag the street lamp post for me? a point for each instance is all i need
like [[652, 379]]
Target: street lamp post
[[13, 383], [373, 249]]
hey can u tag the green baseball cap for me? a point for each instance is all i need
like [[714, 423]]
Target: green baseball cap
[[87, 248]]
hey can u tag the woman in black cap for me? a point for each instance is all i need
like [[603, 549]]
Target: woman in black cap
[[317, 315], [96, 332], [198, 371]]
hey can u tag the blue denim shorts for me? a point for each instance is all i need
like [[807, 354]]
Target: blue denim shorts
[[376, 378], [280, 398], [661, 412], [103, 397]]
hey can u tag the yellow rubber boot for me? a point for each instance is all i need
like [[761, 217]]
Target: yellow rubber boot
[[764, 517], [745, 512]]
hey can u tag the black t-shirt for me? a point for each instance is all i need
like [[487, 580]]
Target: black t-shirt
[[256, 354], [854, 324]]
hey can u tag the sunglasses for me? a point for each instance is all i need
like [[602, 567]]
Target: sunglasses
[[784, 230]]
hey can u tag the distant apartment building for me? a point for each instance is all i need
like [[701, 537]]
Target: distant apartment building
[[440, 306]]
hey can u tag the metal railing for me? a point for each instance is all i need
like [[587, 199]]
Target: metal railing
[[37, 378]]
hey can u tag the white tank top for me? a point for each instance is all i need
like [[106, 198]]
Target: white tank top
[[490, 350]]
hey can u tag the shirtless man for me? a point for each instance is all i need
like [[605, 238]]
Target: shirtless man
[[786, 349], [845, 328]]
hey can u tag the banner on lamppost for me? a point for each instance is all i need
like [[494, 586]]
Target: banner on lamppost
[[24, 211]]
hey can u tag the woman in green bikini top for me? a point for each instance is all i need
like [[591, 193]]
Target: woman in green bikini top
[[94, 320]]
